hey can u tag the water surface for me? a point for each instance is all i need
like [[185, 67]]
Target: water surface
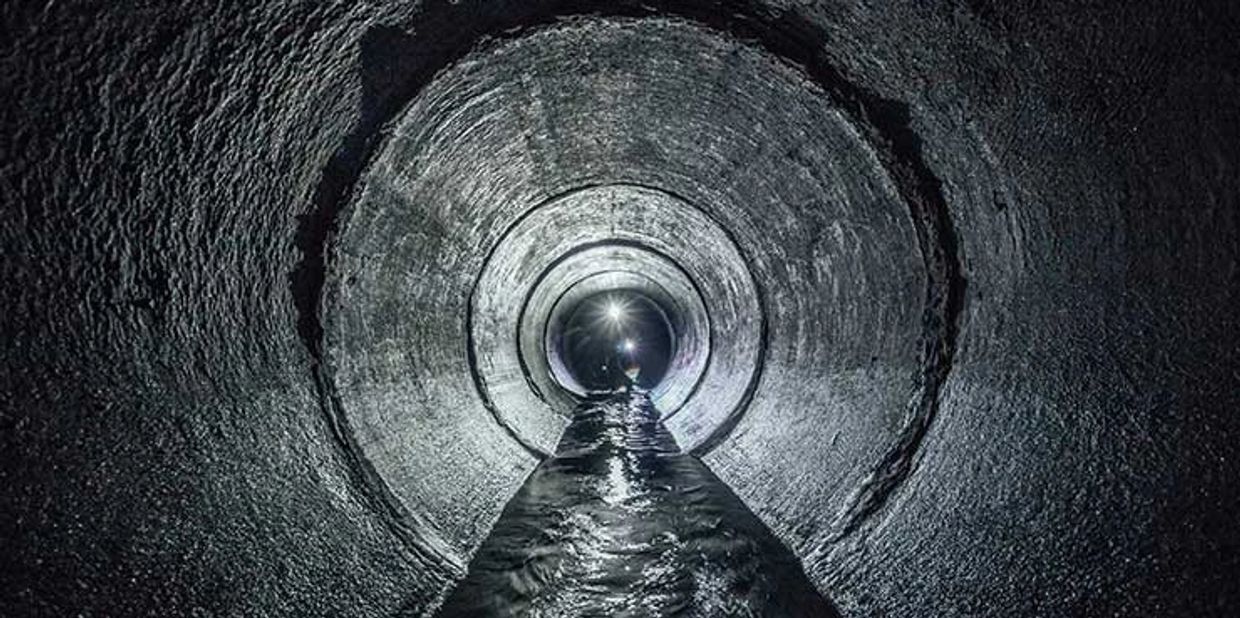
[[622, 523]]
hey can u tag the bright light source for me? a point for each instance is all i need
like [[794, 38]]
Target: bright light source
[[629, 346], [615, 311]]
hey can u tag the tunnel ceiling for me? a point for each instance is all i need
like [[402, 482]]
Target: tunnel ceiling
[[698, 150], [951, 287]]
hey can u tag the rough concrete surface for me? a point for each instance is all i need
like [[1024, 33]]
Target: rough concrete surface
[[965, 276]]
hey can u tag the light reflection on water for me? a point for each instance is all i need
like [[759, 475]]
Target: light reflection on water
[[621, 523]]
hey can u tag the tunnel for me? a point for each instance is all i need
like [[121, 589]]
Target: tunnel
[[322, 308], [611, 340]]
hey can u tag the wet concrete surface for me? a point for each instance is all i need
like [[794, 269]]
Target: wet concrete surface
[[241, 239], [622, 523]]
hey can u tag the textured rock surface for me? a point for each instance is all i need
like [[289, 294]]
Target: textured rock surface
[[994, 253]]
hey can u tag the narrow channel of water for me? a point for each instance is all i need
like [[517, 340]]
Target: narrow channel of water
[[622, 523]]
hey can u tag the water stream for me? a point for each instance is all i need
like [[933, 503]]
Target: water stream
[[620, 522]]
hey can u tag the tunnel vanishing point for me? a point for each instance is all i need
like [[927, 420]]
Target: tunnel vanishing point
[[623, 308]]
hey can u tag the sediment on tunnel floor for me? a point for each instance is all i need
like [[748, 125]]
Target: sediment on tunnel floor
[[621, 522]]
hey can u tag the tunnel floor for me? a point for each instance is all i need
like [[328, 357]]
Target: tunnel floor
[[620, 522]]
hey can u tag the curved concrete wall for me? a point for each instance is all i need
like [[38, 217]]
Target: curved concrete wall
[[969, 271]]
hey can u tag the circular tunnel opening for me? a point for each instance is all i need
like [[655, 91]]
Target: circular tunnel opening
[[615, 339]]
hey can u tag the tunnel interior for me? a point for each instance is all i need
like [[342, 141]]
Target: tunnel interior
[[613, 339], [310, 307]]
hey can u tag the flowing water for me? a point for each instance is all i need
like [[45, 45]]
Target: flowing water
[[622, 523]]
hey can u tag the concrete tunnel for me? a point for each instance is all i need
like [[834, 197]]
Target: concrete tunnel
[[950, 288]]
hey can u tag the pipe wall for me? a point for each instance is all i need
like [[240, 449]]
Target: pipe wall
[[969, 272]]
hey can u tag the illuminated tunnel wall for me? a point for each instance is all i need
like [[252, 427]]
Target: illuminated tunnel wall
[[953, 289]]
